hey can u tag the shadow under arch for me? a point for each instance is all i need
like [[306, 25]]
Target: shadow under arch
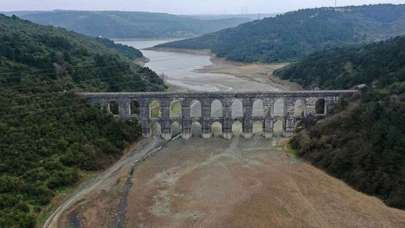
[[135, 108], [196, 129], [320, 108], [113, 108]]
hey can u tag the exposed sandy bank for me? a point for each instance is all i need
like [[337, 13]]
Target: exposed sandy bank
[[262, 73]]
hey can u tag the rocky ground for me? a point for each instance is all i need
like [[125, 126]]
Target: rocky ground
[[237, 183]]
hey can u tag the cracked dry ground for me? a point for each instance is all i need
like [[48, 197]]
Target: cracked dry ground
[[238, 183]]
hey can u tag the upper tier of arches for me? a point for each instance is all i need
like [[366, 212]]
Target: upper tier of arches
[[276, 107]]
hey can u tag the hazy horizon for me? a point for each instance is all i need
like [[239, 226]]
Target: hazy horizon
[[184, 6]]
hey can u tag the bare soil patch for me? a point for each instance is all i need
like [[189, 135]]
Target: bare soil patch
[[242, 183]]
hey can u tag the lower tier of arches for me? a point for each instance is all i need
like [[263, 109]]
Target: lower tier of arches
[[267, 128]]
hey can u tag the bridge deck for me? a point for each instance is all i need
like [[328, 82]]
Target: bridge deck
[[302, 93]]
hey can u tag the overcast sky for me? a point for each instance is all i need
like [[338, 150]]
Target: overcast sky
[[182, 6]]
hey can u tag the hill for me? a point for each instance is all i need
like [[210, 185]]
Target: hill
[[293, 35], [49, 138], [116, 24], [380, 65], [364, 143]]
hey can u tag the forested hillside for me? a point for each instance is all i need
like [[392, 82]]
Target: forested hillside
[[380, 65], [48, 136], [293, 35], [116, 24], [363, 144]]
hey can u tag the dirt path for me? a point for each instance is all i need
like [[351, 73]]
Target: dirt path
[[103, 181]]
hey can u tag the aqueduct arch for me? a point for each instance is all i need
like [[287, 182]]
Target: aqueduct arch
[[263, 109]]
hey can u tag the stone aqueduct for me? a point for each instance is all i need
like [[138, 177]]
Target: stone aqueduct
[[139, 105]]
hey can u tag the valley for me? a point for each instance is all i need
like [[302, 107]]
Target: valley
[[262, 182], [116, 117]]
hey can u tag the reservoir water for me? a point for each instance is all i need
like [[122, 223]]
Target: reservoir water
[[180, 70]]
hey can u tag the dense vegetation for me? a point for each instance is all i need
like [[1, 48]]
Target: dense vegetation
[[294, 35], [129, 52], [115, 24], [378, 65], [48, 136], [365, 143]]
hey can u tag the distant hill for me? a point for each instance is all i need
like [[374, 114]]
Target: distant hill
[[364, 143], [225, 16], [293, 35], [48, 136], [117, 24]]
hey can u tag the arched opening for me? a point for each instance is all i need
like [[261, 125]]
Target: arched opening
[[299, 108], [320, 107], [216, 129], [135, 108], [154, 109], [278, 127], [279, 107], [237, 128], [258, 108], [175, 128], [156, 129], [258, 127], [216, 109], [175, 109], [114, 108], [237, 109], [195, 109], [196, 129]]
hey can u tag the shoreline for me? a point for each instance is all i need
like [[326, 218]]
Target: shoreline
[[254, 72], [185, 51]]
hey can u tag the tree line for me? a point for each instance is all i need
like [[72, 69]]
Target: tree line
[[49, 137], [364, 143]]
